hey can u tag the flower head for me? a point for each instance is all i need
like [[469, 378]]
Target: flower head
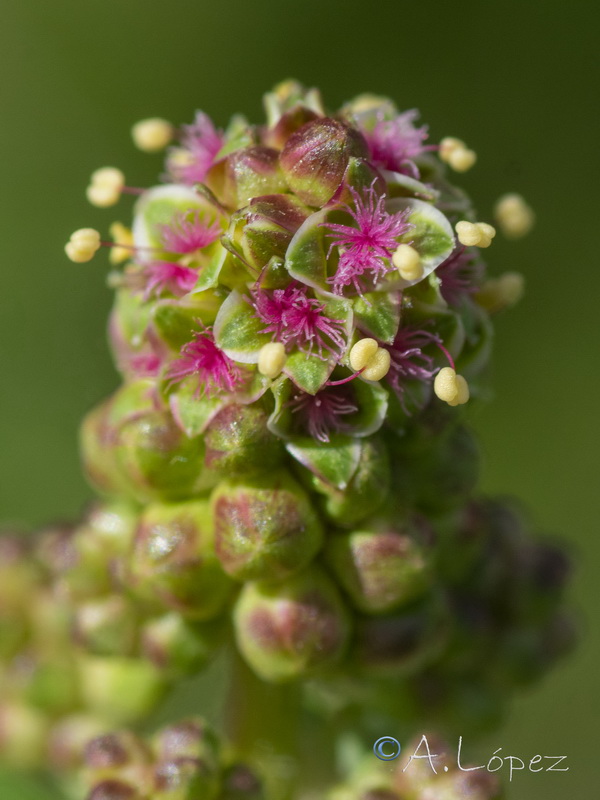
[[460, 275], [369, 246], [297, 320], [200, 142], [408, 361], [201, 357], [168, 276], [394, 143], [320, 414], [188, 232]]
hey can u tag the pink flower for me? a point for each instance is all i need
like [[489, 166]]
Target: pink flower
[[408, 361], [320, 414], [369, 246], [394, 143], [202, 141], [460, 275], [201, 357], [167, 276], [188, 232], [297, 320]]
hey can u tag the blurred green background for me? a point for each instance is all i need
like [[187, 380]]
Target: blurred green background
[[516, 80]]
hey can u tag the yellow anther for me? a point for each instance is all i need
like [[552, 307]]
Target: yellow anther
[[514, 216], [408, 262], [82, 245], [448, 145], [271, 359], [106, 185], [462, 159], [152, 135], [374, 361], [497, 294], [475, 234], [463, 394], [179, 157], [123, 239], [450, 387], [456, 153], [363, 353], [378, 366]]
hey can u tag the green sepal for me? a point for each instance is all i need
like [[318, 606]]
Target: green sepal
[[306, 256], [371, 399], [157, 207], [308, 372], [378, 314], [175, 321], [193, 413], [448, 325], [237, 135], [237, 330], [334, 462], [208, 276], [479, 338], [431, 234], [400, 185]]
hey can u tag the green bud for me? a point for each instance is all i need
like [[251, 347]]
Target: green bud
[[263, 230], [190, 739], [185, 779], [178, 646], [364, 493], [119, 689], [106, 626], [288, 630], [265, 527], [19, 577], [23, 735], [68, 739], [404, 642], [159, 460], [112, 755], [240, 782], [87, 563], [316, 156], [288, 96], [115, 790], [238, 442], [384, 569], [173, 561], [246, 173], [51, 682], [440, 476]]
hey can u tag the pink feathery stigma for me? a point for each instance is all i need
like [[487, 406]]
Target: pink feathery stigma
[[202, 141], [201, 357], [369, 246], [394, 143], [145, 365], [460, 275], [297, 320], [408, 361], [167, 276], [188, 232], [320, 414]]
